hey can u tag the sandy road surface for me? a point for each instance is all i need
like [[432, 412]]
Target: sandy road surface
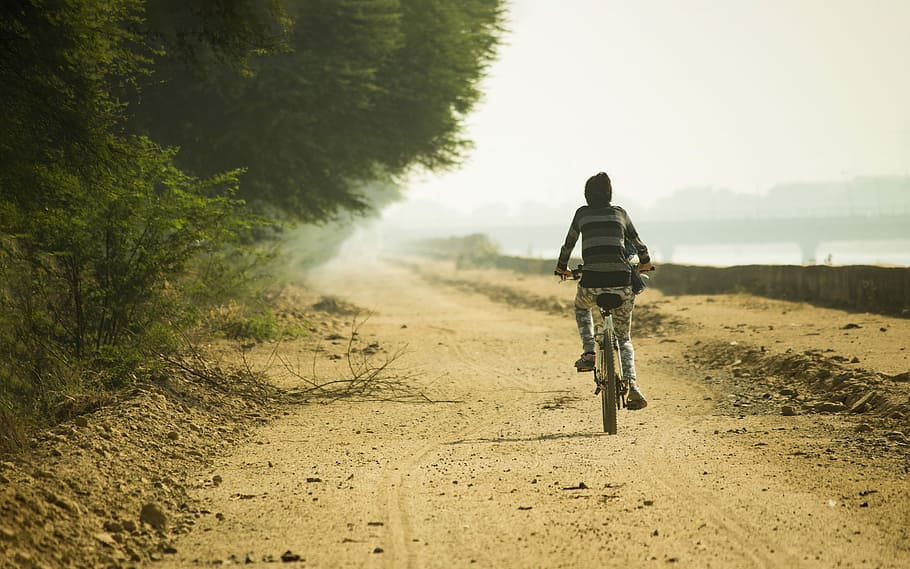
[[508, 468]]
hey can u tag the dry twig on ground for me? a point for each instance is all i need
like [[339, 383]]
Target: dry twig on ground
[[372, 377]]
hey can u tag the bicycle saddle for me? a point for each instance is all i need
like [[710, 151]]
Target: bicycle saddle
[[609, 300]]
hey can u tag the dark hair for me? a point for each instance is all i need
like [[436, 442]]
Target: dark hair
[[598, 190]]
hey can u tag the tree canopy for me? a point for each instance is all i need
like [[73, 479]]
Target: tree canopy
[[346, 91]]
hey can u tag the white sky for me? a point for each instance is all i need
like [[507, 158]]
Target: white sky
[[666, 94]]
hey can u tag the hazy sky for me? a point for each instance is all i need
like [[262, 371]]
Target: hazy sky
[[666, 94]]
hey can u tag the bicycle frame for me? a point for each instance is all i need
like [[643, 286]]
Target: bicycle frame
[[608, 376]]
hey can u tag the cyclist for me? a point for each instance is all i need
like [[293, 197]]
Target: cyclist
[[605, 230]]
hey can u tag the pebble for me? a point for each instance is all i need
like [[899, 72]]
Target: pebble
[[105, 539], [830, 407], [61, 502], [897, 437], [153, 515], [862, 404], [788, 411]]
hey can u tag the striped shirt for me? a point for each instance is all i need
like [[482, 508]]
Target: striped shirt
[[604, 231]]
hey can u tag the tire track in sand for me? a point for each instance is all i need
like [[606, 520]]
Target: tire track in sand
[[398, 486]]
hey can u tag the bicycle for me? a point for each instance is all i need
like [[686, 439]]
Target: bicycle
[[608, 378]]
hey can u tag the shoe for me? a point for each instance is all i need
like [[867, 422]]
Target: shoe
[[585, 362], [635, 400]]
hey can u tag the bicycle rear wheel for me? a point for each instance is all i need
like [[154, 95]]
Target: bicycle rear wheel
[[607, 370]]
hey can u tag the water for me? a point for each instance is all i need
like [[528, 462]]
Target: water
[[543, 241], [833, 253]]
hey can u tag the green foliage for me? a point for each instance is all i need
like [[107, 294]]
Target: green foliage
[[97, 288], [11, 427], [59, 66], [202, 34], [107, 258], [247, 321], [365, 90]]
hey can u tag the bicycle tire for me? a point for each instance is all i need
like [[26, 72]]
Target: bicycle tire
[[608, 362]]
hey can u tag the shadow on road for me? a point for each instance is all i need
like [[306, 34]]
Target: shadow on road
[[551, 437]]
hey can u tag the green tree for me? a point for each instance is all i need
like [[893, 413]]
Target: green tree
[[99, 228], [205, 35], [364, 90], [59, 64]]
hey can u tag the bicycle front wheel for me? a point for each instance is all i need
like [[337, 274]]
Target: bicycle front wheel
[[607, 369]]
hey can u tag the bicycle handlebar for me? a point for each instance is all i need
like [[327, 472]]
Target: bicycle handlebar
[[577, 271]]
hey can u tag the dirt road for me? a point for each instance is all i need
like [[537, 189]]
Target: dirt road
[[503, 464]]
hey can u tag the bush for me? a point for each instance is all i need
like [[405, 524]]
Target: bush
[[96, 288]]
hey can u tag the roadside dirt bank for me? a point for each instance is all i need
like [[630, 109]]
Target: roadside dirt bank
[[110, 488], [483, 447]]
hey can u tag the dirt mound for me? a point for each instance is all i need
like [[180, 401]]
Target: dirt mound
[[109, 488], [815, 381], [333, 305]]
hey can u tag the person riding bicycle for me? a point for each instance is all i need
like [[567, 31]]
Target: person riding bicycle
[[605, 230]]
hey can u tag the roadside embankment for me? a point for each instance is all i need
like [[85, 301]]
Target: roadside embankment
[[883, 290]]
